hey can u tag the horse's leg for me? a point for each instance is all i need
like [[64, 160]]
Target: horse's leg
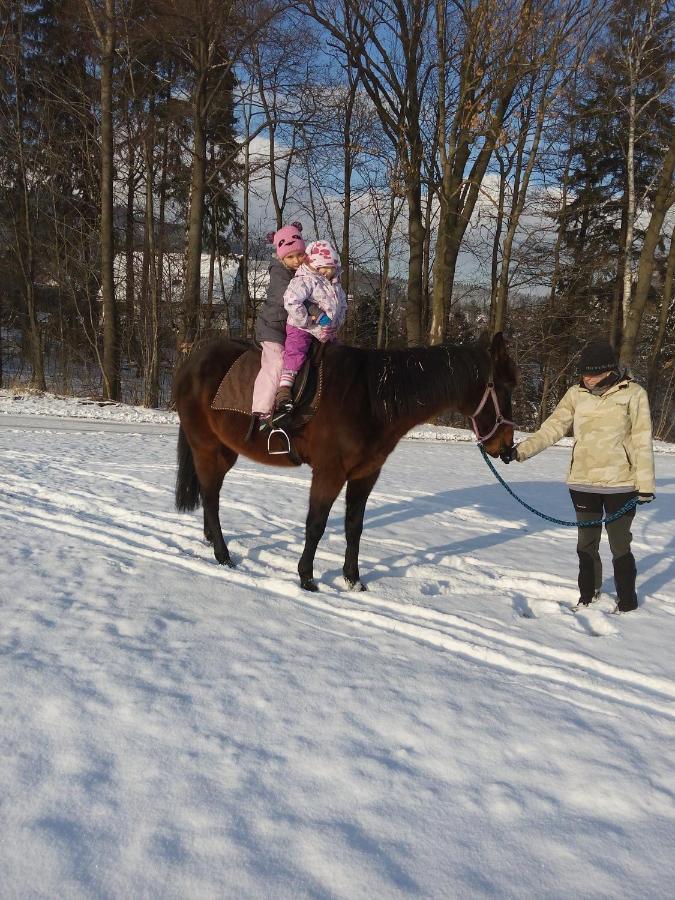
[[324, 490], [358, 492], [212, 465]]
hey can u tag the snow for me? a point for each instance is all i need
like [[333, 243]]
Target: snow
[[174, 729], [20, 402]]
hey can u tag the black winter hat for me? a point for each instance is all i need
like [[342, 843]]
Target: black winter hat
[[597, 357]]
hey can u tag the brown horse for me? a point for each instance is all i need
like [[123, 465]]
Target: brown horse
[[370, 399]]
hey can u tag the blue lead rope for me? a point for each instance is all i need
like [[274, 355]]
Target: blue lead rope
[[628, 505]]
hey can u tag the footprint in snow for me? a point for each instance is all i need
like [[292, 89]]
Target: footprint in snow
[[534, 609], [596, 622]]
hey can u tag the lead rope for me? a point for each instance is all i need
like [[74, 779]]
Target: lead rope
[[628, 505]]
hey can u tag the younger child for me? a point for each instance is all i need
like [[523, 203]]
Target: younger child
[[270, 329], [316, 307]]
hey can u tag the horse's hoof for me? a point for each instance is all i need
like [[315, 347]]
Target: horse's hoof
[[225, 560], [357, 585], [308, 584]]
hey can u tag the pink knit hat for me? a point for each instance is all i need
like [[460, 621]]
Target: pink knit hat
[[321, 253], [287, 240]]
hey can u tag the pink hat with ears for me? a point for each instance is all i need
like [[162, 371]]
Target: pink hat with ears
[[287, 240]]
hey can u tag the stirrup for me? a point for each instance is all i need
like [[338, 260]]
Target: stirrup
[[284, 452]]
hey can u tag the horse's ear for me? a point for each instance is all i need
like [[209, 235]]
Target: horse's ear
[[502, 362], [498, 347]]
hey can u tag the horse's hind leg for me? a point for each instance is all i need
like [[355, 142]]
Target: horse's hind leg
[[212, 465], [358, 492]]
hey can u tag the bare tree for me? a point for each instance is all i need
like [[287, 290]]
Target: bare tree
[[209, 37], [23, 212], [663, 201], [644, 30], [664, 314], [103, 17], [386, 44]]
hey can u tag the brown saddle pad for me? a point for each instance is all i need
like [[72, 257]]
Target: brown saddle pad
[[235, 392]]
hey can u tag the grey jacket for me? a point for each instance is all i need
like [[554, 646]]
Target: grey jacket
[[271, 322]]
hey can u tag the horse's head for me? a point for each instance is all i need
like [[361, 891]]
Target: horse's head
[[491, 419]]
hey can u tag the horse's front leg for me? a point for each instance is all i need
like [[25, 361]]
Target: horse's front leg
[[358, 492], [324, 490]]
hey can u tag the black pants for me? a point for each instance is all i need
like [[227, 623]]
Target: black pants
[[590, 506]]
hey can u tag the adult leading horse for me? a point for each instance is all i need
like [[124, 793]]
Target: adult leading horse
[[370, 399]]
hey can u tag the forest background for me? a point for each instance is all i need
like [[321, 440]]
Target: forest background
[[480, 164]]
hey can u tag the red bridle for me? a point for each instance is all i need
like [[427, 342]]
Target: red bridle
[[500, 420]]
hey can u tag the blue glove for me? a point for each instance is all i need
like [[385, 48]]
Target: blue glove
[[324, 320]]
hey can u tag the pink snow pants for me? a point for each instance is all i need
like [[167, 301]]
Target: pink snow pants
[[267, 382], [298, 343]]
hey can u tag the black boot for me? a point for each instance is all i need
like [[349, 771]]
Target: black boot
[[284, 401], [586, 601], [624, 580], [587, 590]]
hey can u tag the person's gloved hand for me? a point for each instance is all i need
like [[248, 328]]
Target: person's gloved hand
[[509, 454], [645, 498], [326, 334]]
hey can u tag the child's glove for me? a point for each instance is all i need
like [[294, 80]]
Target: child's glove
[[327, 334], [316, 314], [645, 498]]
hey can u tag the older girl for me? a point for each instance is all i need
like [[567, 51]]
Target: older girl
[[270, 329]]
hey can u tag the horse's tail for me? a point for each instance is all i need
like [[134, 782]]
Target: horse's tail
[[187, 483]]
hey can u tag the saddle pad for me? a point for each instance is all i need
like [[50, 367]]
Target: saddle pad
[[235, 393], [236, 389]]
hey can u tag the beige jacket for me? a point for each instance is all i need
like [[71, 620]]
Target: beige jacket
[[612, 437]]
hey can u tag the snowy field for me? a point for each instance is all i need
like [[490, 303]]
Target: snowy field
[[171, 729]]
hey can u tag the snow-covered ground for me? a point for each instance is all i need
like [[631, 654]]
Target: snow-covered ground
[[173, 729]]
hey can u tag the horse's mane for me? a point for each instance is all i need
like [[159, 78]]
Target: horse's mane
[[400, 382]]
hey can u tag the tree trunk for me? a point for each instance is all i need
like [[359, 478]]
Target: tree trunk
[[161, 249], [245, 236], [152, 370], [192, 296], [347, 181], [615, 326], [499, 224], [28, 269], [384, 281], [652, 366], [25, 247], [415, 261], [129, 292], [630, 209], [662, 203], [426, 273], [521, 186], [111, 353]]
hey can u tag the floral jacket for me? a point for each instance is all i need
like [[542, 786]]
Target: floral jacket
[[309, 287]]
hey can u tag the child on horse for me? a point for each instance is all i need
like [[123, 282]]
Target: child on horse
[[612, 462], [270, 328], [316, 307]]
